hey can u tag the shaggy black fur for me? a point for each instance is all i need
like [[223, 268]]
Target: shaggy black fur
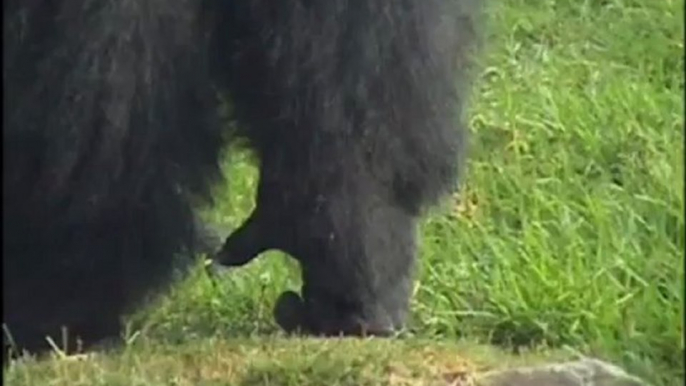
[[111, 137]]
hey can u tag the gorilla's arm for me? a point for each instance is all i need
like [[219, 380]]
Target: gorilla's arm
[[354, 109]]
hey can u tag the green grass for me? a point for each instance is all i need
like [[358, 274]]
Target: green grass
[[569, 232], [274, 361]]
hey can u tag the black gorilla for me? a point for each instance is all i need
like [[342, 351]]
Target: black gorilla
[[111, 136]]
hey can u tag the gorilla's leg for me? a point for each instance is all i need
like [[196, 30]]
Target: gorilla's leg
[[354, 110], [109, 134], [208, 238]]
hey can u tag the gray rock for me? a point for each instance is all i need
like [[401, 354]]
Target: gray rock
[[585, 372]]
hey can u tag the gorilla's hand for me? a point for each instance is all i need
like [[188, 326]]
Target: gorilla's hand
[[295, 314]]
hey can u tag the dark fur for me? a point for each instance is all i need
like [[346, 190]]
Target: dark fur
[[111, 137]]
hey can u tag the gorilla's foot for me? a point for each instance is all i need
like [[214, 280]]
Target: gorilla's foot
[[243, 245]]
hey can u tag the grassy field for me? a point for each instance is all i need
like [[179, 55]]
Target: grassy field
[[568, 234]]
